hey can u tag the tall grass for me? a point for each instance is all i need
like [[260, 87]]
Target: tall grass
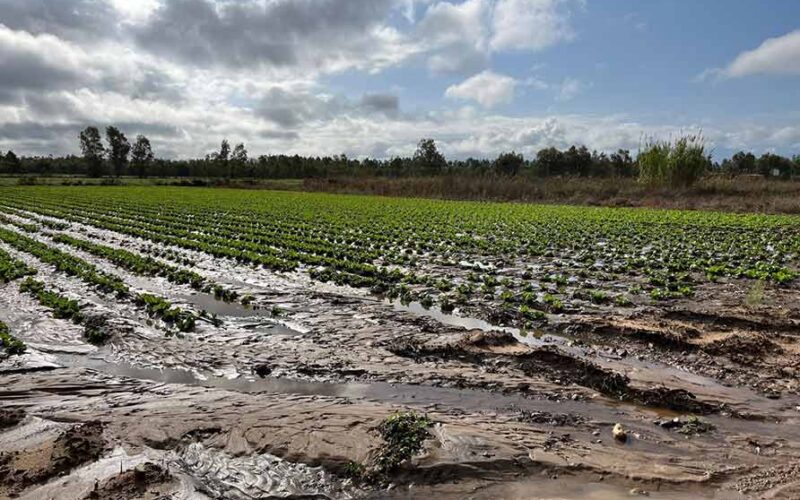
[[676, 164], [737, 194]]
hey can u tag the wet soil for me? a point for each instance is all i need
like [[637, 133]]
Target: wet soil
[[283, 405], [75, 445], [147, 481]]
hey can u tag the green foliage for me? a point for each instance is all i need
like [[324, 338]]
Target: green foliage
[[509, 164], [12, 269], [10, 345], [488, 258], [772, 165], [553, 303], [118, 149], [95, 328], [530, 314], [403, 434], [136, 264], [598, 297], [184, 321], [676, 164], [61, 306], [66, 263], [93, 150], [141, 156], [428, 159]]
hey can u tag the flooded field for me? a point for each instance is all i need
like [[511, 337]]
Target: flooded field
[[196, 343]]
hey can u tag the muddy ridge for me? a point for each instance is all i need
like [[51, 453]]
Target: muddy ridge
[[554, 365]]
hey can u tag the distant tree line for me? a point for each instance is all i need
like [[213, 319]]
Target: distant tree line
[[116, 156]]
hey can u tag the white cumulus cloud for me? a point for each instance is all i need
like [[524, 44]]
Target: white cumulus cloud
[[776, 56], [486, 88], [530, 24]]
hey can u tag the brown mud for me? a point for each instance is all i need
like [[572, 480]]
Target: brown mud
[[288, 406]]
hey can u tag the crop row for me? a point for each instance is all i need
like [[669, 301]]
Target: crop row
[[12, 269], [10, 345], [66, 263], [95, 327], [523, 258], [662, 247], [134, 263], [147, 266], [242, 250], [104, 282]]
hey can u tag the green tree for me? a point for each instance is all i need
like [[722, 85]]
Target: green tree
[[772, 165], [740, 163], [622, 163], [224, 151], [92, 149], [11, 163], [118, 150], [428, 159], [509, 164], [239, 161], [239, 154], [578, 160], [141, 156], [550, 161]]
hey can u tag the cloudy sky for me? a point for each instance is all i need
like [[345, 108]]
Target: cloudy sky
[[371, 77]]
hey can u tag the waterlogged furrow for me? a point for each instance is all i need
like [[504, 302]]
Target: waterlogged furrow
[[245, 279], [103, 281], [137, 264], [65, 263], [38, 326]]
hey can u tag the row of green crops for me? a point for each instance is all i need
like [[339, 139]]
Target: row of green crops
[[102, 281], [135, 263], [95, 328], [10, 345], [65, 263], [525, 258], [148, 266], [12, 269]]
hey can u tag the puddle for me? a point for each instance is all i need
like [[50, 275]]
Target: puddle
[[208, 303], [532, 338], [426, 397]]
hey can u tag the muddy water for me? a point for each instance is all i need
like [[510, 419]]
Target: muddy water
[[401, 394], [597, 414], [343, 325], [641, 372], [244, 324]]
